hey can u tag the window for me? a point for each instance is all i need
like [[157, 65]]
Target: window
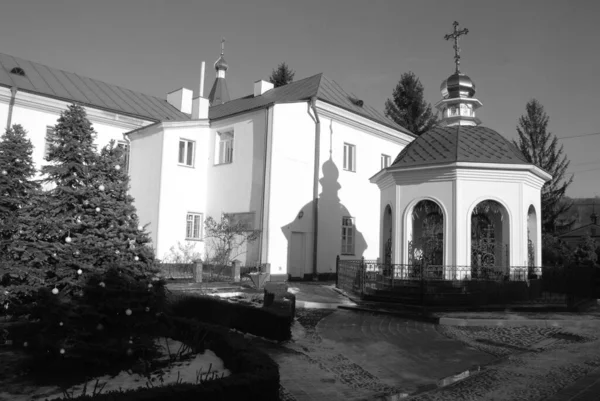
[[49, 137], [385, 161], [193, 226], [348, 235], [125, 146], [245, 219], [186, 152], [349, 157], [224, 148], [18, 71]]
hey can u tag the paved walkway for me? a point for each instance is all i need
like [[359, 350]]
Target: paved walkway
[[584, 389]]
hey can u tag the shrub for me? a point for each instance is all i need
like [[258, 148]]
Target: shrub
[[264, 322], [254, 375]]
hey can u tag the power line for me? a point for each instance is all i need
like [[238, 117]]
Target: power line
[[578, 136], [581, 171]]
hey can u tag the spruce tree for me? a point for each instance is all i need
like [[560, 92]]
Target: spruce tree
[[17, 187], [282, 75], [540, 147], [408, 108]]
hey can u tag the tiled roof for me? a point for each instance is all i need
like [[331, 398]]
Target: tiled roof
[[318, 85], [459, 144], [47, 81]]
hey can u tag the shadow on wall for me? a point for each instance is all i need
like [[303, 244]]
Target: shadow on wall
[[337, 230]]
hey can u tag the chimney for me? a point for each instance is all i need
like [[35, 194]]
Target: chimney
[[200, 108], [261, 87], [181, 99]]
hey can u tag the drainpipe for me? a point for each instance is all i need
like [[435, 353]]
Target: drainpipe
[[263, 233], [313, 102], [13, 94]]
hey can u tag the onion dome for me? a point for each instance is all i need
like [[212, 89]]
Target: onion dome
[[457, 86], [221, 64]]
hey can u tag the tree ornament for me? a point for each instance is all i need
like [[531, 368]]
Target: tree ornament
[[18, 160], [140, 228], [86, 202], [97, 209], [130, 341], [79, 271], [129, 352], [136, 258], [62, 351], [117, 167], [55, 290], [68, 240], [99, 327], [150, 285], [76, 253], [60, 324], [4, 172], [128, 312], [102, 284], [25, 344], [101, 187], [147, 309], [117, 252], [74, 174], [54, 255]]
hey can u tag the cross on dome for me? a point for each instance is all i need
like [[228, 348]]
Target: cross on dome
[[455, 35]]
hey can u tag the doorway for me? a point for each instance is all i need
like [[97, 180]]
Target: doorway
[[298, 255]]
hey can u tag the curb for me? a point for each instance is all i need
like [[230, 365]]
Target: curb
[[404, 314], [320, 305], [516, 323]]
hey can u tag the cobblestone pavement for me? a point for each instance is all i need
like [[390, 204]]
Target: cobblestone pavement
[[534, 363]]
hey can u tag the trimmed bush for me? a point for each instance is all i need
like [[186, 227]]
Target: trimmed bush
[[271, 323], [254, 375]]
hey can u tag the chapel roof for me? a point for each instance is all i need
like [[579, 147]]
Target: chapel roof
[[67, 86], [459, 143], [319, 85]]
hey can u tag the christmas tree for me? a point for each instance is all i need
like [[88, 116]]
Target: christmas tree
[[17, 188], [86, 257]]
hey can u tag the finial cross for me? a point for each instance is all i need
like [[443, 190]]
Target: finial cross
[[222, 46], [455, 35]]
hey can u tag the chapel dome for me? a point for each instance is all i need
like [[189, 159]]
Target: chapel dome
[[459, 143], [221, 64], [457, 85]]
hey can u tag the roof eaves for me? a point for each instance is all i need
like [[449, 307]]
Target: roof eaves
[[262, 106], [93, 106]]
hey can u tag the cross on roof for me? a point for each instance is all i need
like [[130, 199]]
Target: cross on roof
[[455, 35], [222, 46]]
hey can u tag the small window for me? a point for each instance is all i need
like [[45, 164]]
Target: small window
[[349, 157], [18, 71], [193, 226], [186, 153], [385, 161], [125, 146], [224, 148], [246, 220], [348, 234], [48, 140]]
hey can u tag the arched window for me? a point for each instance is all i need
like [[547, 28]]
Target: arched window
[[18, 71]]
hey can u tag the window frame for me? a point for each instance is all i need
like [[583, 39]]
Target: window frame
[[386, 161], [349, 154], [186, 155], [50, 133], [195, 218], [125, 146], [224, 155], [348, 247]]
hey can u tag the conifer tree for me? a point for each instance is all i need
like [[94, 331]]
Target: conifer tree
[[408, 108], [17, 188], [282, 75], [540, 147]]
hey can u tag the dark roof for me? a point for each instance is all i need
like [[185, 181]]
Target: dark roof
[[593, 230], [459, 144], [318, 85], [70, 87], [219, 93]]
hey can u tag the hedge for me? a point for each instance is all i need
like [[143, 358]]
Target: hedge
[[271, 323], [254, 375]]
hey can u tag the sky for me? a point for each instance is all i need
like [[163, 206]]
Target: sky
[[515, 51]]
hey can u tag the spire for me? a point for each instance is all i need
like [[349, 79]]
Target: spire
[[219, 93], [458, 104]]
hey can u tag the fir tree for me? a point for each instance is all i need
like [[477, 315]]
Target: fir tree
[[408, 108], [540, 147], [282, 75]]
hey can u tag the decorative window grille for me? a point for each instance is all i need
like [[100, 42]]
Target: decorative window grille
[[186, 152], [385, 161], [193, 226], [225, 148], [348, 235], [349, 157]]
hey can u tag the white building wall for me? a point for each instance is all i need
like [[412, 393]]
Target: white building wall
[[237, 187], [182, 188], [291, 187], [145, 161]]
